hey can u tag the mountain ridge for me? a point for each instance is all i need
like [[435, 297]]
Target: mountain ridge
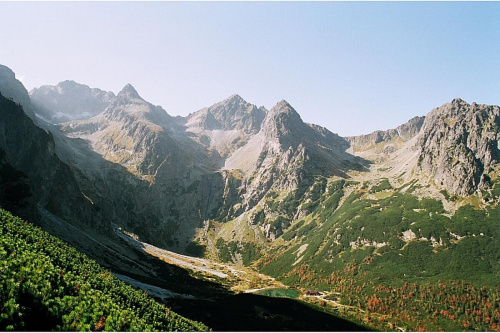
[[256, 187], [236, 135], [68, 101]]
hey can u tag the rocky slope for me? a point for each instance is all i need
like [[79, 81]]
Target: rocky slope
[[140, 165], [12, 88], [286, 154], [143, 138], [454, 148], [69, 101], [234, 113], [225, 126], [217, 163], [33, 178]]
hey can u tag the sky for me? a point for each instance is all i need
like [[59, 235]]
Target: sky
[[352, 67]]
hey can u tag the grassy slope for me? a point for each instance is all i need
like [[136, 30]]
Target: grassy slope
[[46, 284]]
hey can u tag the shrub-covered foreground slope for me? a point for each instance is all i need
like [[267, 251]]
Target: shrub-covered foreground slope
[[46, 284], [399, 258]]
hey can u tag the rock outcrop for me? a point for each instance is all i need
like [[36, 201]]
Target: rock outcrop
[[234, 113], [459, 146]]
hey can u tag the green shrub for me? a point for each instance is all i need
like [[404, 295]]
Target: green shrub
[[46, 284]]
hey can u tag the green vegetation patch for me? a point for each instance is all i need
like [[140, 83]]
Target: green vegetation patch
[[382, 186], [228, 252], [45, 284], [389, 256]]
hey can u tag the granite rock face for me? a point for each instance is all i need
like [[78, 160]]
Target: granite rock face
[[142, 137], [459, 146], [225, 126]]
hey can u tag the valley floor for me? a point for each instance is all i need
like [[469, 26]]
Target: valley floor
[[236, 278], [224, 297]]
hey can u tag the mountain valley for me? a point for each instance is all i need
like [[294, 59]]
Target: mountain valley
[[395, 230]]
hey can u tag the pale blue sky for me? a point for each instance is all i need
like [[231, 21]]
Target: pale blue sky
[[353, 67]]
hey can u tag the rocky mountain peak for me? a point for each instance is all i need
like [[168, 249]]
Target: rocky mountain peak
[[128, 92], [69, 101], [458, 101], [230, 105], [74, 88], [284, 107], [233, 113], [235, 98], [68, 83], [282, 118]]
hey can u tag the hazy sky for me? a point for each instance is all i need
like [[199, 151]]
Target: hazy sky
[[353, 67]]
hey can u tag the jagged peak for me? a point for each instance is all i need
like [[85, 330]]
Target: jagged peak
[[458, 101], [129, 92], [282, 117], [230, 104], [284, 107], [235, 98], [283, 103]]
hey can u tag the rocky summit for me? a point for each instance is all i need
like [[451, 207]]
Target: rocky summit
[[69, 101], [367, 217]]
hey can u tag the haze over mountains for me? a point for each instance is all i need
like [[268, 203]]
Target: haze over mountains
[[240, 183]]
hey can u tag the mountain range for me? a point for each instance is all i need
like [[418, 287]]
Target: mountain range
[[238, 183]]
